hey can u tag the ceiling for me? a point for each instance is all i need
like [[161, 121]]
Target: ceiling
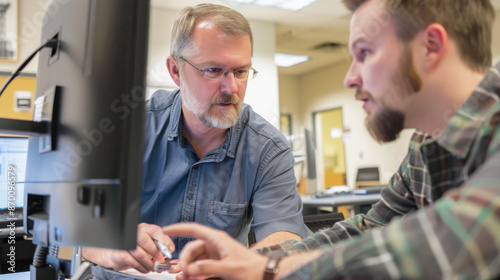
[[320, 30]]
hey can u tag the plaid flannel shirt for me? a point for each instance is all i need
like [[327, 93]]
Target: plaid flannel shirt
[[440, 216]]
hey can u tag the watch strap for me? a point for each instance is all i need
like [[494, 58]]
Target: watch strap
[[272, 267]]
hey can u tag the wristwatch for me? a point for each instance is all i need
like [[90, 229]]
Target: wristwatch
[[272, 265]]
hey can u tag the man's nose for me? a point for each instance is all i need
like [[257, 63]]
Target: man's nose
[[352, 78], [229, 84]]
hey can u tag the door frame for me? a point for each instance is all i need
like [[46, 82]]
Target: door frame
[[315, 141]]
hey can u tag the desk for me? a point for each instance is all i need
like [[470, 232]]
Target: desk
[[153, 275], [311, 204], [16, 276]]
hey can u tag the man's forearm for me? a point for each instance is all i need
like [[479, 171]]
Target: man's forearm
[[91, 254], [275, 238], [98, 256], [293, 262]]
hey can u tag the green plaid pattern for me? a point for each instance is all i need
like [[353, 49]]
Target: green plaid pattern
[[447, 189]]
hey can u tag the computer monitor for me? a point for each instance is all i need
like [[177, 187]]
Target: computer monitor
[[83, 178], [310, 154], [13, 153]]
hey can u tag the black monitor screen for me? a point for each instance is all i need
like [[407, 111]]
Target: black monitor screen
[[83, 184]]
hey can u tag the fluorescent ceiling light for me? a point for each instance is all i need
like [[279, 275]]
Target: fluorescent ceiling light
[[293, 5], [287, 60]]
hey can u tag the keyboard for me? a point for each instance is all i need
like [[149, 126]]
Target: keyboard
[[322, 221], [6, 219]]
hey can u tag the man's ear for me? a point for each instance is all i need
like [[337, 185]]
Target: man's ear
[[434, 40], [174, 70]]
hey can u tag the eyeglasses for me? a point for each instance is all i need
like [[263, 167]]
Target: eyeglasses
[[215, 73]]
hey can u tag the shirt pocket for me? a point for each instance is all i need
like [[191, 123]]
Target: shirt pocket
[[231, 218]]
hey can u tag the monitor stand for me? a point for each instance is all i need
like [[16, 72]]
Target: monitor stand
[[84, 272], [46, 264]]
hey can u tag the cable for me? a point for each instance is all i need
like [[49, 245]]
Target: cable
[[52, 43], [40, 257], [53, 250]]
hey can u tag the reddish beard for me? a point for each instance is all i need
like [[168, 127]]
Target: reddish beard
[[385, 125]]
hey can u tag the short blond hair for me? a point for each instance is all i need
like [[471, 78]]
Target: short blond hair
[[224, 18]]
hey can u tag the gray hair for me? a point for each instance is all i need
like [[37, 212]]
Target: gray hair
[[231, 22]]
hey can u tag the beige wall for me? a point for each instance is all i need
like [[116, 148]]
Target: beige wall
[[30, 23], [496, 39], [290, 101], [323, 89]]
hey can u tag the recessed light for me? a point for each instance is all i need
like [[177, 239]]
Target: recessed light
[[287, 60], [293, 5]]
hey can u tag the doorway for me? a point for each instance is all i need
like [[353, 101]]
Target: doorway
[[329, 131]]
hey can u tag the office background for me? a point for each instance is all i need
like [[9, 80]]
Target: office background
[[276, 91]]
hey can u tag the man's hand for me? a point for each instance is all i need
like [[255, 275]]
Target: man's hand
[[215, 253], [142, 258]]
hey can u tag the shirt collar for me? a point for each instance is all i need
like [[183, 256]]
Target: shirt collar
[[464, 126], [175, 116]]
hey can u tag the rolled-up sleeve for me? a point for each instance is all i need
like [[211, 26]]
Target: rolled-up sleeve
[[277, 205]]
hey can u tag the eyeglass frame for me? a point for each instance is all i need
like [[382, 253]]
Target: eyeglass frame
[[224, 73]]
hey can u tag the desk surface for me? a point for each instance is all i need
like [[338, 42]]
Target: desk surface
[[342, 200], [16, 276], [152, 275]]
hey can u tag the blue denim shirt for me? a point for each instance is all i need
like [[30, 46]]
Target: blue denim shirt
[[249, 177]]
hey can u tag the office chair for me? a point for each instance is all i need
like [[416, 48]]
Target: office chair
[[368, 174]]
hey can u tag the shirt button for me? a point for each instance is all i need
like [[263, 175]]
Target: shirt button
[[195, 167], [190, 196]]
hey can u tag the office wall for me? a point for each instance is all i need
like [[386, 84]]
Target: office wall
[[496, 39], [290, 102], [323, 89], [30, 23], [262, 92]]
